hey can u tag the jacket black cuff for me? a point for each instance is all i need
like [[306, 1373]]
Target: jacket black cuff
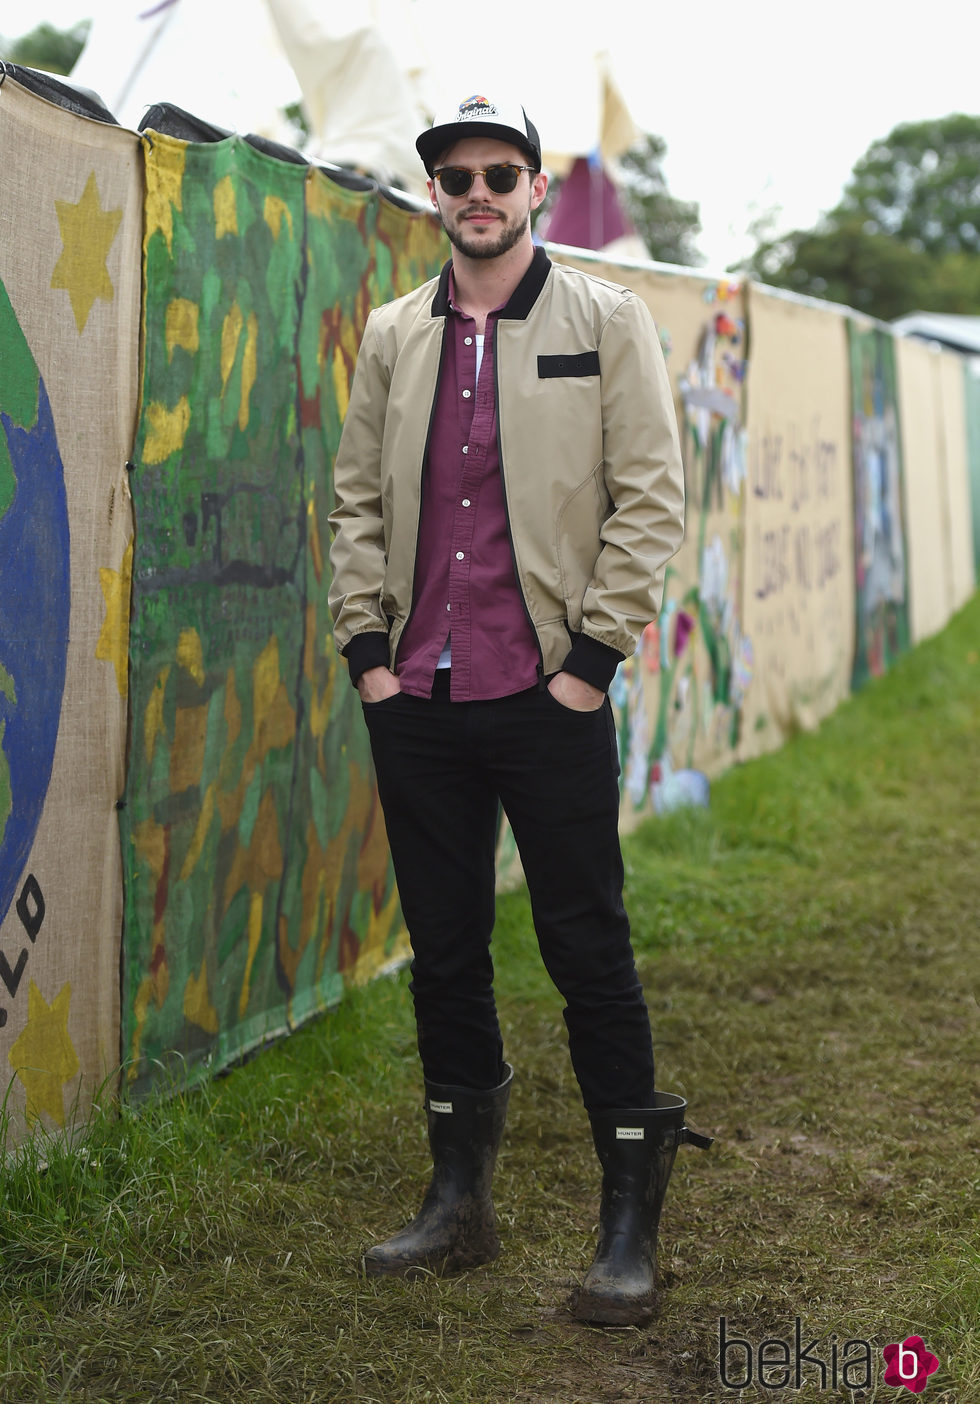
[[366, 651], [594, 662]]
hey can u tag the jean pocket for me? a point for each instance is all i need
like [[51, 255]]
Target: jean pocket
[[573, 711], [382, 702]]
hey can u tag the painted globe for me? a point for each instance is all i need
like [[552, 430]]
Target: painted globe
[[35, 599]]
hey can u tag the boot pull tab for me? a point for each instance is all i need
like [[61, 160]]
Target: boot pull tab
[[694, 1138]]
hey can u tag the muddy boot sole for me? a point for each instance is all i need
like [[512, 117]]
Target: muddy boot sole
[[377, 1262], [597, 1309]]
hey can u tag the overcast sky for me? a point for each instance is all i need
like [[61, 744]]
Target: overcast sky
[[761, 110]]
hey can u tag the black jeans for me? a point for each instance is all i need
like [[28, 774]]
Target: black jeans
[[442, 768]]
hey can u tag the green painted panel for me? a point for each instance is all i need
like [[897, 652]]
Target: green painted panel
[[257, 873], [880, 555]]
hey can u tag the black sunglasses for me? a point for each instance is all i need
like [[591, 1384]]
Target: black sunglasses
[[501, 180]]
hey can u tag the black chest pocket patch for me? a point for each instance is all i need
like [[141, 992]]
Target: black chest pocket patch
[[580, 363]]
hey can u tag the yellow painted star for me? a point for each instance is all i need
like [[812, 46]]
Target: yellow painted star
[[87, 233], [44, 1056], [113, 644]]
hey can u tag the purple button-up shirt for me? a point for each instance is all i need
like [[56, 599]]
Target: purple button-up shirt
[[466, 587]]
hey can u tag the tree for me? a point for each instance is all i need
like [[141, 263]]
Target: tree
[[955, 284], [54, 50], [921, 185], [843, 262], [667, 226], [905, 234]]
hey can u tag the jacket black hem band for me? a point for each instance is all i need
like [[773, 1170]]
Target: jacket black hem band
[[592, 661], [368, 650]]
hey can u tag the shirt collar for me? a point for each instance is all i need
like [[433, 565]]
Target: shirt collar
[[522, 300], [457, 310]]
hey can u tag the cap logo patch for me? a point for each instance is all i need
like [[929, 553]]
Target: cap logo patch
[[629, 1133], [475, 108]]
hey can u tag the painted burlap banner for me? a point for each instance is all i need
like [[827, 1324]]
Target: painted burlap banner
[[881, 579], [70, 224], [257, 868], [931, 396], [971, 408], [798, 583], [679, 699]]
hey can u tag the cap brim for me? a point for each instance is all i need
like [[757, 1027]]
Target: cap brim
[[438, 139]]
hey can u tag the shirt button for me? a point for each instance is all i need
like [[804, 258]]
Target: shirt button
[[466, 501], [459, 555], [466, 448], [467, 341], [467, 394]]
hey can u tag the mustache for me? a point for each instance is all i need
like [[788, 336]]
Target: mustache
[[481, 209]]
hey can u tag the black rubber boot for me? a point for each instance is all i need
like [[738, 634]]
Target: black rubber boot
[[456, 1227], [636, 1150]]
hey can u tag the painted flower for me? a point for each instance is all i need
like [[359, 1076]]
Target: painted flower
[[682, 631], [714, 574]]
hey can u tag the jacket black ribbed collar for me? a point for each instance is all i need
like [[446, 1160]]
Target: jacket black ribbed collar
[[522, 299]]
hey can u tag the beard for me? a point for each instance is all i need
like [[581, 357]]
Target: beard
[[485, 244]]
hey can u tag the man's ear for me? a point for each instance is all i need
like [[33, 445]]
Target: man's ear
[[539, 188], [432, 193]]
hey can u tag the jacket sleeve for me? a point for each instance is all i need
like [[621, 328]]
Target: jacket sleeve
[[357, 554], [644, 477]]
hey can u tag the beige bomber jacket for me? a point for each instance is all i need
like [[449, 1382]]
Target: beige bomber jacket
[[589, 455]]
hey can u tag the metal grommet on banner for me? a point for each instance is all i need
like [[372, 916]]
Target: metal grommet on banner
[[3, 72]]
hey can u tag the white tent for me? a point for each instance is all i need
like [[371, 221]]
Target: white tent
[[370, 73], [225, 65], [961, 333]]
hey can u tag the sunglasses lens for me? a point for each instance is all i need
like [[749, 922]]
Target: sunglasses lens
[[455, 180], [501, 179]]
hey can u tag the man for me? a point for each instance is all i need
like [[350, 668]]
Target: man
[[509, 489]]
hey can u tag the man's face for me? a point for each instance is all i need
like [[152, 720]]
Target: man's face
[[481, 224]]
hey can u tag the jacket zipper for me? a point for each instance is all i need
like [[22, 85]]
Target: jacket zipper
[[422, 468], [539, 669]]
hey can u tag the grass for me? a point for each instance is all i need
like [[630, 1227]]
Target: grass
[[809, 949]]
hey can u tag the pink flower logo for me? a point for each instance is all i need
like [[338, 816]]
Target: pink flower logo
[[909, 1364]]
